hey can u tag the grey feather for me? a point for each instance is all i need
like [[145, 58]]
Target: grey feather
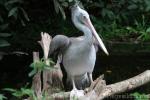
[[59, 42]]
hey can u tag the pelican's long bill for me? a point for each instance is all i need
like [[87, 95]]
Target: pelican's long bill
[[89, 24]]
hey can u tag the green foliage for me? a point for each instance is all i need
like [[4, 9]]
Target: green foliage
[[23, 92], [120, 10], [40, 66], [3, 42], [60, 5], [4, 35], [141, 29], [114, 19], [115, 15], [2, 97], [11, 12], [139, 96], [16, 11], [20, 93]]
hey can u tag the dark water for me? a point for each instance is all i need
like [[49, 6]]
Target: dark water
[[121, 67], [15, 68]]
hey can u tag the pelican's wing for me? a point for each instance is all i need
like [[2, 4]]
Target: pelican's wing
[[59, 42], [80, 38]]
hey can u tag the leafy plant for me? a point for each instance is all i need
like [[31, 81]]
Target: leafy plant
[[139, 96], [4, 35], [60, 5], [16, 11], [2, 97], [40, 66], [23, 92], [3, 42], [109, 30], [141, 29], [11, 12]]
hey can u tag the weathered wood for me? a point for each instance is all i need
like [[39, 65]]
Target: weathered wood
[[52, 79], [125, 85], [36, 83], [108, 90]]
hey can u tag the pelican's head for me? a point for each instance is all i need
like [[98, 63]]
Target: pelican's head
[[81, 18]]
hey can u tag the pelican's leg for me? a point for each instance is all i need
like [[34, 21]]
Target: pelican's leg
[[75, 93], [73, 84], [91, 78]]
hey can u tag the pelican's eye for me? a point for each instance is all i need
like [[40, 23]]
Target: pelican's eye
[[84, 16]]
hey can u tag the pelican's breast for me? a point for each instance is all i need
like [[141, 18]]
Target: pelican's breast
[[79, 58]]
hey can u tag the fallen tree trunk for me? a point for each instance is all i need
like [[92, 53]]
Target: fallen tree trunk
[[108, 90]]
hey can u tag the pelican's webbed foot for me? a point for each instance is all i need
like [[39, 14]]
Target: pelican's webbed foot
[[75, 94]]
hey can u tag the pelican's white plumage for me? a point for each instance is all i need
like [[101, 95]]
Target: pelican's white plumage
[[79, 54]]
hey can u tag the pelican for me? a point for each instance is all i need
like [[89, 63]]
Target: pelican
[[79, 54]]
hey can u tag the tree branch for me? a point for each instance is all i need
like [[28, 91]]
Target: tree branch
[[126, 85], [99, 90]]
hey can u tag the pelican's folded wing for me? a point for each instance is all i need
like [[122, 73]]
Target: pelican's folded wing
[[59, 42]]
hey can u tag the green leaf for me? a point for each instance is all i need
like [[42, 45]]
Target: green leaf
[[32, 65], [1, 19], [13, 12], [65, 4], [4, 26], [147, 2], [133, 6], [26, 91], [25, 14], [148, 30], [2, 2], [23, 23], [13, 1], [108, 13], [9, 89], [70, 0], [56, 6], [5, 34], [139, 96], [4, 43], [33, 72], [2, 97], [104, 12]]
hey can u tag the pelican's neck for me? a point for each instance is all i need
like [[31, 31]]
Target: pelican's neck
[[87, 34]]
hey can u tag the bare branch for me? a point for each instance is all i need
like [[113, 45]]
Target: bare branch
[[45, 43], [108, 90], [126, 85]]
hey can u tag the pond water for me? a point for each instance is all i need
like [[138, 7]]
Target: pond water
[[15, 68]]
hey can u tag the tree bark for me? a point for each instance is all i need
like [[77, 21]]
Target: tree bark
[[36, 83], [52, 79]]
